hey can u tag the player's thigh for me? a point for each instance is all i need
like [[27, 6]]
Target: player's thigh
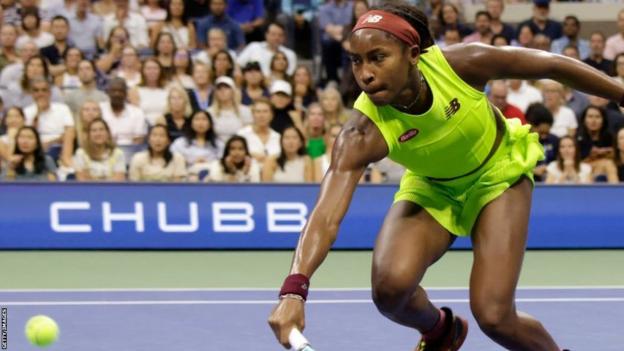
[[499, 240], [410, 240]]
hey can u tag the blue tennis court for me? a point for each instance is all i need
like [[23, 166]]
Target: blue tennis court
[[580, 318]]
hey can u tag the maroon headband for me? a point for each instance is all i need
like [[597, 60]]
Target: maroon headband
[[389, 23]]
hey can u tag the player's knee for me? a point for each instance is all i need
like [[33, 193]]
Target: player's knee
[[391, 293], [494, 318]]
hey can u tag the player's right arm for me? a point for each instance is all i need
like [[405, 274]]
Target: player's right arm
[[359, 143]]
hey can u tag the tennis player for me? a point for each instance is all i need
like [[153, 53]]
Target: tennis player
[[469, 172]]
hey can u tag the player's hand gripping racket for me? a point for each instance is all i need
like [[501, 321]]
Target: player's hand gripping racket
[[298, 342]]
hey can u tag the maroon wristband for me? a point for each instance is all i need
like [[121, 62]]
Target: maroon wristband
[[297, 284]]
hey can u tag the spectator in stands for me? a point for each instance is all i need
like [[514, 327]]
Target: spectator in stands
[[99, 159], [263, 52], [262, 141], [348, 87], [178, 25], [13, 120], [279, 68], [129, 67], [236, 165], [103, 8], [10, 12], [299, 19], [150, 96], [31, 27], [164, 50], [568, 168], [53, 121], [85, 28], [596, 144], [284, 112], [127, 123], [134, 22], [88, 89], [498, 97], [499, 40], [217, 41], [118, 38], [249, 14], [194, 9], [449, 37], [153, 13], [177, 113], [157, 163], [304, 91], [575, 100], [571, 51], [333, 107], [293, 165], [19, 93], [449, 18], [541, 121], [521, 94], [228, 113], [333, 16], [8, 52], [615, 43], [223, 65], [541, 42], [315, 130], [183, 69], [29, 162], [200, 96], [218, 18], [88, 112], [571, 31], [525, 36], [495, 8], [482, 32], [618, 154], [69, 81], [618, 67], [541, 23], [254, 84], [55, 52], [321, 163], [614, 114], [596, 58], [565, 122], [200, 145]]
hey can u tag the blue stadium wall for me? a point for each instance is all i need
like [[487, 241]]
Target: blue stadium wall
[[198, 216]]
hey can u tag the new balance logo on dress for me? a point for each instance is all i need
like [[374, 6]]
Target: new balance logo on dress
[[452, 108]]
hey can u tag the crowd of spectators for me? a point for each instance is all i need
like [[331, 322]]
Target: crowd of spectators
[[230, 90]]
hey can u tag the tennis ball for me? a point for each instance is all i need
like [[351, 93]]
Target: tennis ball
[[41, 330]]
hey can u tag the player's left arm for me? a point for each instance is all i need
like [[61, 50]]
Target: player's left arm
[[476, 64]]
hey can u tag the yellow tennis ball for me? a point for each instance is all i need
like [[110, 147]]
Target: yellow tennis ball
[[41, 330]]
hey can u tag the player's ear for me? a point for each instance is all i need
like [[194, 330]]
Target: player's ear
[[414, 54]]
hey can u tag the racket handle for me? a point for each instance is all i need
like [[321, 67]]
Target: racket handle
[[298, 341]]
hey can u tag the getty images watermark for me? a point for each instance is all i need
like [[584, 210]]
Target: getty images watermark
[[4, 337]]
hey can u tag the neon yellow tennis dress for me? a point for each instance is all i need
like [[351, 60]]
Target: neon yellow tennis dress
[[447, 151]]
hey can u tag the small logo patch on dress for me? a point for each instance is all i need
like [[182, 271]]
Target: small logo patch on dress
[[408, 135]]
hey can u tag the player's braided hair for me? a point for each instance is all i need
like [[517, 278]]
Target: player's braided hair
[[413, 16]]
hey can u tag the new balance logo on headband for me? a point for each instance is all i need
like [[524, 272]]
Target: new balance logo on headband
[[373, 19], [452, 108]]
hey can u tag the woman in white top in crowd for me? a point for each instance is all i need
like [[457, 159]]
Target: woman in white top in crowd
[[178, 25], [568, 168], [183, 69], [565, 122], [19, 93], [164, 50], [153, 13], [262, 141], [130, 67], [31, 29], [99, 159], [228, 113], [69, 80], [178, 113], [333, 107], [151, 95], [14, 119], [321, 163], [89, 112], [200, 146], [157, 163], [236, 165], [293, 165]]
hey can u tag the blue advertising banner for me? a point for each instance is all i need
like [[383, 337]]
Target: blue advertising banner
[[266, 216]]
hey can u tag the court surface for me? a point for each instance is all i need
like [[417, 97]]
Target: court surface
[[191, 301]]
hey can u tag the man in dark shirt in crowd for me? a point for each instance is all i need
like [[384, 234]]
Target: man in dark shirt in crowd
[[540, 23], [541, 121], [55, 52], [596, 59], [220, 19]]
